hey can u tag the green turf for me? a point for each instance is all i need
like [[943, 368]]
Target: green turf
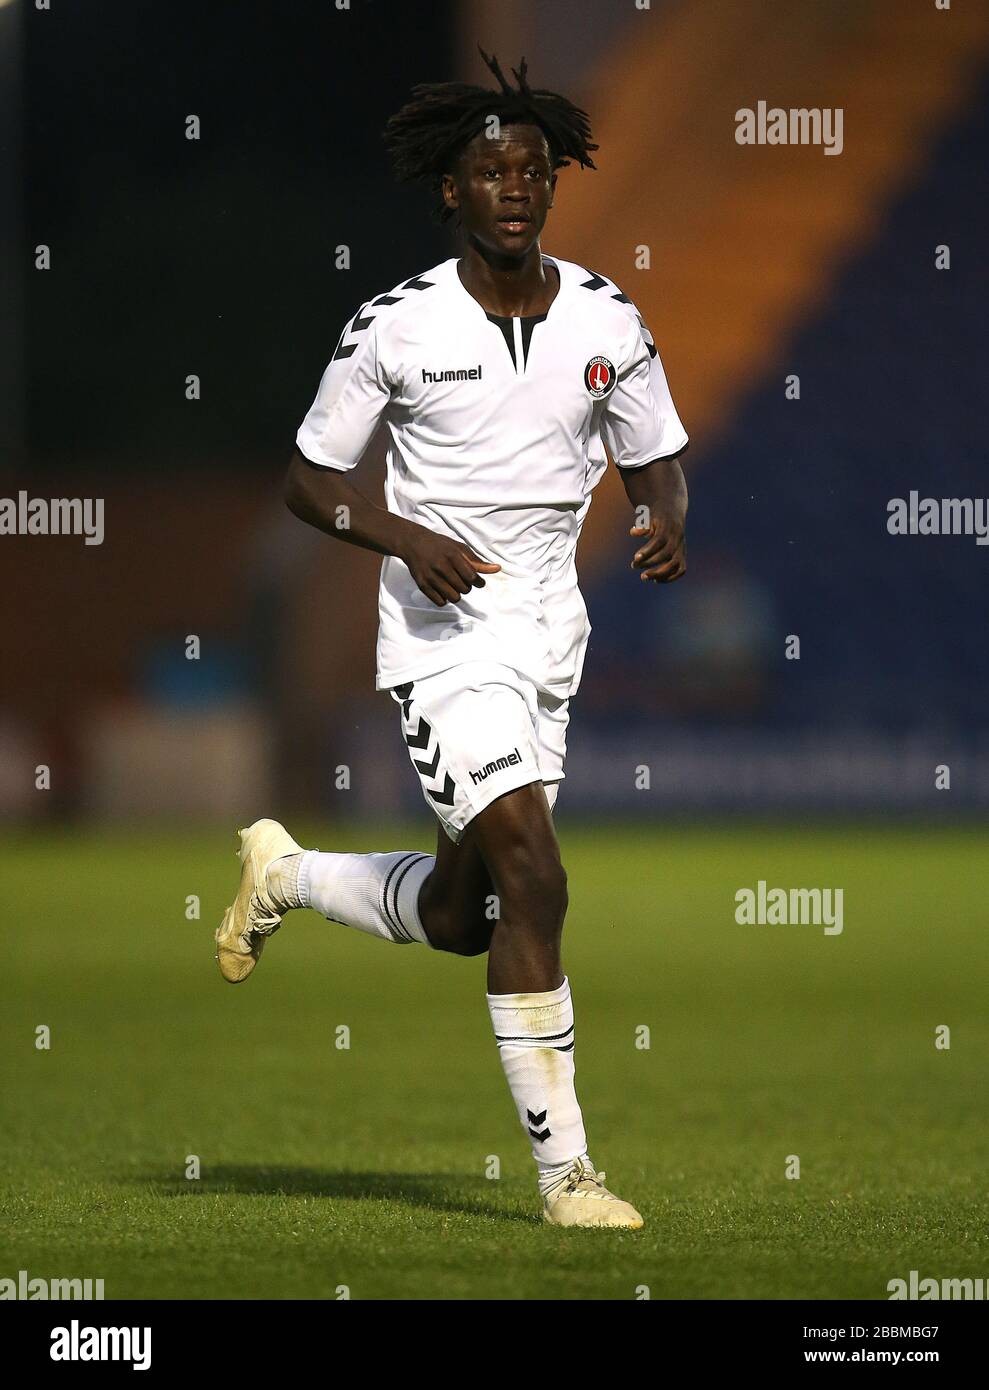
[[365, 1167]]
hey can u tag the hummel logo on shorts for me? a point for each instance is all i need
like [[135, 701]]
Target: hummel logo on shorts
[[511, 759]]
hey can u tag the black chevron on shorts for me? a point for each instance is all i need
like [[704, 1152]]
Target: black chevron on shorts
[[428, 769], [420, 739], [444, 797]]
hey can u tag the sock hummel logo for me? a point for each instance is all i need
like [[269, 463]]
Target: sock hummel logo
[[541, 1135]]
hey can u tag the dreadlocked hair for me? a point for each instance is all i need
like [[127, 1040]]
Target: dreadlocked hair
[[427, 134]]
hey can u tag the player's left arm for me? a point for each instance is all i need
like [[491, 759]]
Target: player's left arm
[[645, 437], [658, 492]]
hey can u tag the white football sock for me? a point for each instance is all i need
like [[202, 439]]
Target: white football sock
[[376, 893], [535, 1036]]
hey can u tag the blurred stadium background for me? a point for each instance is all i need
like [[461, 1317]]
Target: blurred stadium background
[[216, 257]]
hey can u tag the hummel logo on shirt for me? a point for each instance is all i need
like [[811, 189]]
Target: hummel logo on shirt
[[460, 374], [511, 759]]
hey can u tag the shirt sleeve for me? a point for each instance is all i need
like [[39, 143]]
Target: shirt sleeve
[[640, 422], [351, 399]]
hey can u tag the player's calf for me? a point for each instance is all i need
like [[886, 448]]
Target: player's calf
[[531, 890], [532, 1010], [457, 903], [452, 931]]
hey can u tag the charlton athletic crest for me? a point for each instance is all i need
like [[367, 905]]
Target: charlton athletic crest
[[599, 377]]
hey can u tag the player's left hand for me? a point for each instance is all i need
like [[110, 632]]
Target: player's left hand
[[662, 554]]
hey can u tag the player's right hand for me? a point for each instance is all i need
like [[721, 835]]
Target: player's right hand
[[443, 568]]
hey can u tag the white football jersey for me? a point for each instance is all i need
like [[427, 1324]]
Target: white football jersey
[[497, 432]]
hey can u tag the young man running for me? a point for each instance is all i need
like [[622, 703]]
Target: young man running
[[502, 377]]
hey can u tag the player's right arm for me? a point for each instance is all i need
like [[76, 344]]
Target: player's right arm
[[444, 569], [352, 397]]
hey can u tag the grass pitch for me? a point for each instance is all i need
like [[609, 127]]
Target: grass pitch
[[365, 1167]]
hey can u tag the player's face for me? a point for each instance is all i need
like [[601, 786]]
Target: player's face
[[503, 189]]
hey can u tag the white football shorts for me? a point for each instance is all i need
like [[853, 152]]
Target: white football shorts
[[477, 731]]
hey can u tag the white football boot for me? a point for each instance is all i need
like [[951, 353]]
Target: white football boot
[[254, 914], [582, 1199]]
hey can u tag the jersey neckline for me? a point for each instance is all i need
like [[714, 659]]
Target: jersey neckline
[[507, 318]]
